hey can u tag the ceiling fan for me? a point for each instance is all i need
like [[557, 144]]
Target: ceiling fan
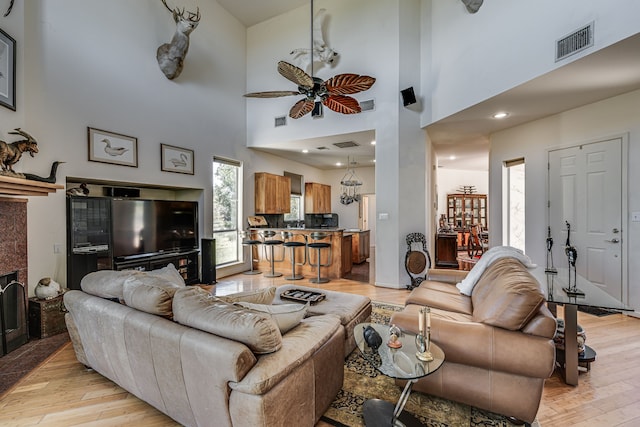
[[331, 93]]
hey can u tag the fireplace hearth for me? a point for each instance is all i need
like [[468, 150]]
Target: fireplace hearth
[[13, 313]]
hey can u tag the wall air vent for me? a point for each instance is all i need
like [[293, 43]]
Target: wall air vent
[[346, 144], [367, 105], [575, 42], [281, 121]]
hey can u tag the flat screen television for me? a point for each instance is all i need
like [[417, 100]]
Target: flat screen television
[[146, 227]]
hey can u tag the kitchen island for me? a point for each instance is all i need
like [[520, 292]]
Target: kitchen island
[[340, 263]]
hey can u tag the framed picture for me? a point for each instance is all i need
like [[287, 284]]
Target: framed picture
[[109, 147], [176, 159], [7, 71]]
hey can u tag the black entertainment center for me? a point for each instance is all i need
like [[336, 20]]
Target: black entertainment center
[[131, 234]]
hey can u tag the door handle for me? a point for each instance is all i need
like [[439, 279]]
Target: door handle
[[613, 241]]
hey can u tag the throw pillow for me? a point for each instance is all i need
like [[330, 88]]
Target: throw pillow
[[257, 296], [197, 308], [168, 273], [106, 283], [150, 294], [286, 316]]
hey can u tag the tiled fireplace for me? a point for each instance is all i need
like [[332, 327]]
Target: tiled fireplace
[[13, 268]]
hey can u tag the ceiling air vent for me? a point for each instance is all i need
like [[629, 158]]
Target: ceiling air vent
[[346, 144], [574, 42], [281, 121], [367, 105], [321, 148]]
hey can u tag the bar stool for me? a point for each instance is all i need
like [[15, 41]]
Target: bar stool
[[289, 243], [251, 243], [317, 235], [268, 241]]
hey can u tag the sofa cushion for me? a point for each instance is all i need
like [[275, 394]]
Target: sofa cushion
[[106, 283], [286, 316], [149, 293], [256, 296], [195, 307], [506, 295], [440, 295]]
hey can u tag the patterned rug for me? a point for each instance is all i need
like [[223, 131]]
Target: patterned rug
[[362, 382]]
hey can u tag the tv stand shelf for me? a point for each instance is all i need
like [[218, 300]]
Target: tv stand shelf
[[185, 262]]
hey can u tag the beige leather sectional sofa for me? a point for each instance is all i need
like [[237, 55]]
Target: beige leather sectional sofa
[[498, 342], [204, 360]]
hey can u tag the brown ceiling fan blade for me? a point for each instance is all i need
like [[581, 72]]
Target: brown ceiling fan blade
[[301, 108], [295, 74], [343, 84], [342, 104], [271, 94]]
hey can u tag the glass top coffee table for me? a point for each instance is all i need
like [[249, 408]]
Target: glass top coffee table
[[400, 363]]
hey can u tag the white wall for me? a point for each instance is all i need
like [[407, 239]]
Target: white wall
[[92, 63], [612, 117], [379, 38], [507, 43]]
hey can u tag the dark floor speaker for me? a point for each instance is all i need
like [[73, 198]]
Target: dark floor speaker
[[208, 261]]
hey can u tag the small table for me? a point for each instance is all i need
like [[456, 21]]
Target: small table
[[593, 297], [400, 363]]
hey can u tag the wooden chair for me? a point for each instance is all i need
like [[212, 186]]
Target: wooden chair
[[478, 242]]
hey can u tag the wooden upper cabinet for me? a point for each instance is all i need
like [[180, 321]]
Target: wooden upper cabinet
[[317, 198], [272, 193]]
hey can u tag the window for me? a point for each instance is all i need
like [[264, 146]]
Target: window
[[514, 201], [227, 185], [296, 213], [296, 209]]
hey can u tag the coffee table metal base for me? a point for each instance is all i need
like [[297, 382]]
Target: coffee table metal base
[[381, 413]]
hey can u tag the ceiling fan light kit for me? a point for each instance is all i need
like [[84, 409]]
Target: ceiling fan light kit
[[332, 93]]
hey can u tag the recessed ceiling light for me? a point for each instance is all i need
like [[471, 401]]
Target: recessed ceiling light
[[452, 157], [374, 160], [305, 151], [373, 142], [500, 115], [338, 164]]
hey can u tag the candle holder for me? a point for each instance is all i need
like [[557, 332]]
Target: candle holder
[[423, 339]]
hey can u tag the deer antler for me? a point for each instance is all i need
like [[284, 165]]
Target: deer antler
[[22, 133], [193, 17]]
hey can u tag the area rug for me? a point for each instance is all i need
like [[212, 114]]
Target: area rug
[[362, 382]]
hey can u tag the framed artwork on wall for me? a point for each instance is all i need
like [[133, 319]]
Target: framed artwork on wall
[[176, 159], [114, 148], [7, 71]]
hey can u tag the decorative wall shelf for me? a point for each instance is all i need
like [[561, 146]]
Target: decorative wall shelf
[[25, 187]]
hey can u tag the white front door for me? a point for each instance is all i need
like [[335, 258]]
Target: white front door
[[585, 191]]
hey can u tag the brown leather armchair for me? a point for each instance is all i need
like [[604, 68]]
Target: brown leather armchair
[[498, 342]]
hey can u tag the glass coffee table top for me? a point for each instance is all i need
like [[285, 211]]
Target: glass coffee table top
[[399, 363]]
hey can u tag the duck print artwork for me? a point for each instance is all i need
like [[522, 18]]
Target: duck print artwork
[[176, 159], [109, 147]]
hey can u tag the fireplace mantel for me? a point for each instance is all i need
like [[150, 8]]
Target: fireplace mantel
[[25, 187]]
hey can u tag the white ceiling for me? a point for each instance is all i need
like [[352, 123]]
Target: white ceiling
[[465, 135]]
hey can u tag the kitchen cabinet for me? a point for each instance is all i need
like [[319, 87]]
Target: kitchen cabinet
[[317, 198], [272, 193], [360, 242]]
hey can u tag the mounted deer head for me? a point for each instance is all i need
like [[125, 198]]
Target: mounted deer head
[[171, 55]]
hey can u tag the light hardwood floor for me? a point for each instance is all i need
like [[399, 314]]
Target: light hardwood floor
[[64, 393]]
